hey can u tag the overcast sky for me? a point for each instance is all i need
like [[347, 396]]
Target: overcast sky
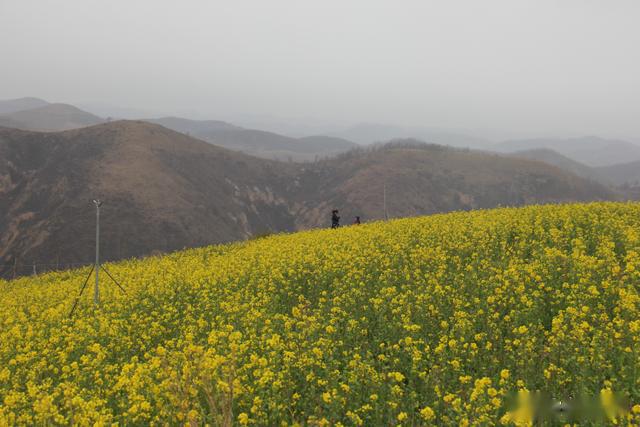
[[525, 66]]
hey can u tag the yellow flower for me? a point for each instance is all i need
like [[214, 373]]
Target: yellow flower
[[396, 376], [504, 374], [243, 418], [253, 326], [427, 413]]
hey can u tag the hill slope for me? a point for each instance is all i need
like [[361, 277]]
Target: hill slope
[[620, 174], [192, 127], [591, 151], [425, 321], [273, 146], [322, 144], [256, 142], [422, 179], [51, 117], [556, 159], [12, 105], [165, 190], [370, 133]]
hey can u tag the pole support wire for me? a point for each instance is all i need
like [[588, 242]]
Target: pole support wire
[[82, 290], [114, 280], [96, 267]]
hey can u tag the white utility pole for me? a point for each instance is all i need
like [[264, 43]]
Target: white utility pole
[[96, 267], [384, 199], [96, 289]]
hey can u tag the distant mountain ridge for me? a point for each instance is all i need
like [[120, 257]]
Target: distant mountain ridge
[[164, 190], [592, 151], [610, 162], [50, 117], [195, 127], [12, 105], [370, 133], [554, 158], [257, 142], [625, 177], [39, 115], [622, 174]]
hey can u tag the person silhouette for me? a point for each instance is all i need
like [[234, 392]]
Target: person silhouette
[[335, 219], [357, 221]]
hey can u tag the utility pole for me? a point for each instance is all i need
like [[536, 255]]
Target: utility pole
[[96, 289], [384, 199], [96, 267]]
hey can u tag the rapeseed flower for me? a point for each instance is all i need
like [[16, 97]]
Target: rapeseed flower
[[431, 320]]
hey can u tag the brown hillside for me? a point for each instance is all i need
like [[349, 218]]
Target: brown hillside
[[50, 117], [12, 105], [165, 191], [258, 143], [423, 179]]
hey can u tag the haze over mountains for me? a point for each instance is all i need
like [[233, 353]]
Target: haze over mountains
[[256, 142], [547, 155], [370, 133], [592, 151], [609, 161], [173, 182], [38, 114], [12, 105], [51, 117], [627, 174], [165, 190], [622, 176]]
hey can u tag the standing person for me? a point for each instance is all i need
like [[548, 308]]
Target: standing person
[[335, 219], [357, 221]]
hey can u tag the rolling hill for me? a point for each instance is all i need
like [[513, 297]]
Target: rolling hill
[[447, 317], [39, 115], [194, 128], [423, 179], [621, 174], [591, 151], [371, 133], [331, 144], [256, 142], [165, 190], [554, 158], [179, 190], [50, 117], [12, 105]]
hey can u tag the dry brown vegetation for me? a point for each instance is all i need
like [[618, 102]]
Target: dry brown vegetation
[[165, 191]]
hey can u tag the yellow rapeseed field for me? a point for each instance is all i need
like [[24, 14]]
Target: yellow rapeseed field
[[438, 320]]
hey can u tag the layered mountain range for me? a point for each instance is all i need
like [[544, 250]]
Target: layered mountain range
[[171, 182], [165, 190]]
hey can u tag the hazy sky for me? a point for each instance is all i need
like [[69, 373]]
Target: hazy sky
[[529, 66]]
